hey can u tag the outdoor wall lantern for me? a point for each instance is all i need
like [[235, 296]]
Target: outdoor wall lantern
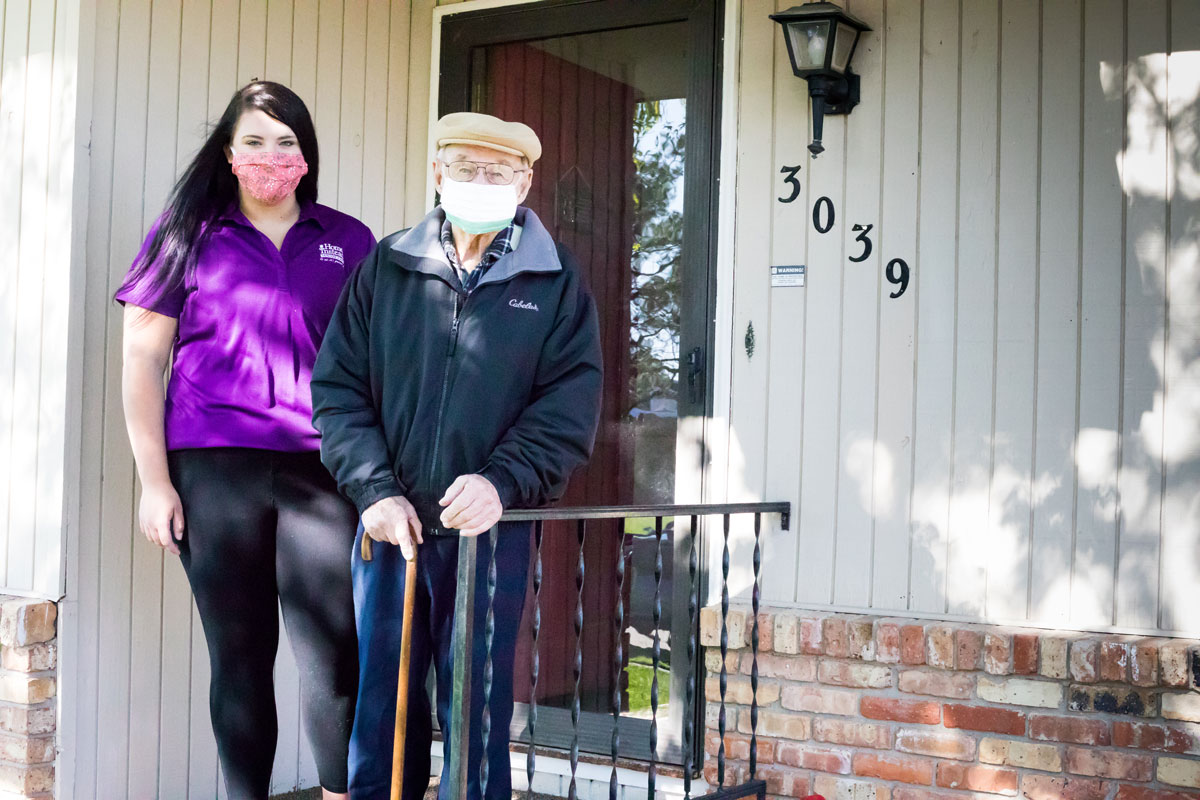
[[821, 39]]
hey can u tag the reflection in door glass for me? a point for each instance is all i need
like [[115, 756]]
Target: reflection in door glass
[[654, 297], [658, 142]]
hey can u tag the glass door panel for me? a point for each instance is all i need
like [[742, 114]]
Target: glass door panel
[[621, 96]]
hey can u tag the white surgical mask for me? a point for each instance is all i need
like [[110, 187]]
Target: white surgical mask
[[479, 207]]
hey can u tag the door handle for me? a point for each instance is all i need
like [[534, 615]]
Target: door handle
[[695, 371]]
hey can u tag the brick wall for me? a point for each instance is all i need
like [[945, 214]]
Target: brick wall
[[28, 659], [862, 708]]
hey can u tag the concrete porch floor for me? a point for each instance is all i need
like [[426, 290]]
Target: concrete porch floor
[[315, 793], [594, 773]]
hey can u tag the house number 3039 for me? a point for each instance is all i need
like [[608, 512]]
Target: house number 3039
[[897, 272]]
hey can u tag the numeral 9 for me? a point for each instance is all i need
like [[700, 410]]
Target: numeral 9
[[897, 273]]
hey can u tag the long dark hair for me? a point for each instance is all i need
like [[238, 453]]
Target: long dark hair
[[208, 186]]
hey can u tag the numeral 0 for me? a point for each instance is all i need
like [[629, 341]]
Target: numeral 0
[[897, 273], [828, 226]]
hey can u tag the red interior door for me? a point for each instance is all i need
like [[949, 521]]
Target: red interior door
[[581, 192]]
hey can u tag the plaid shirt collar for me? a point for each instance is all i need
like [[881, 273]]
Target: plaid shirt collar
[[500, 246]]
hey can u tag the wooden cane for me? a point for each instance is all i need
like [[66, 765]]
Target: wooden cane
[[410, 593]]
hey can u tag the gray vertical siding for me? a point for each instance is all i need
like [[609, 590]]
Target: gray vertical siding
[[38, 43], [1017, 437]]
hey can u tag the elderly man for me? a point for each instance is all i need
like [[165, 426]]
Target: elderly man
[[460, 376]]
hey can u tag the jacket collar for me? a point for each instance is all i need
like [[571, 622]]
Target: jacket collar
[[535, 250]]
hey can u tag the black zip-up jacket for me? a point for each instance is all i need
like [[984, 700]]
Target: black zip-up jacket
[[417, 383]]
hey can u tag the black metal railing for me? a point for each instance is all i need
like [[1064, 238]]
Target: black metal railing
[[691, 718]]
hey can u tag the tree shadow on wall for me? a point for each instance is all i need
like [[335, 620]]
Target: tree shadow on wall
[[1158, 493]]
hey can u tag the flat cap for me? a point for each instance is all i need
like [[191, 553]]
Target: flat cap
[[484, 130]]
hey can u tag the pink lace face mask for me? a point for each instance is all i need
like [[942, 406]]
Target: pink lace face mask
[[269, 177]]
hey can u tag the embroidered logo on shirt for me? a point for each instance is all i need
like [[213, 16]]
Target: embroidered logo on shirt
[[331, 252], [523, 304]]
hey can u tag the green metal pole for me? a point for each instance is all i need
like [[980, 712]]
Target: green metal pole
[[464, 634]]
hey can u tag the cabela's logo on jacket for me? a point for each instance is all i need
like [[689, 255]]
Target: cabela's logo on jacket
[[523, 304]]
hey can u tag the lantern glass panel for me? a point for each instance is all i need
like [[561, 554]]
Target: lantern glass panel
[[843, 46], [809, 41]]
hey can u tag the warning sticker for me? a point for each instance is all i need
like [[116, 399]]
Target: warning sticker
[[792, 275]]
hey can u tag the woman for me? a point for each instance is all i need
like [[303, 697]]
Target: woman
[[238, 278]]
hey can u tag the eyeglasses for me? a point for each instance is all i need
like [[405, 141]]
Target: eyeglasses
[[496, 174]]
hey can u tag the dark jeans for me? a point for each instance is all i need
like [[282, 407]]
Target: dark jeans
[[265, 529], [379, 605]]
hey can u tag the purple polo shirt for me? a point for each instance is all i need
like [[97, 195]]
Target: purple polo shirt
[[251, 319]]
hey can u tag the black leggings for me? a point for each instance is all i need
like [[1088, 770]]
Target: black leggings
[[265, 529]]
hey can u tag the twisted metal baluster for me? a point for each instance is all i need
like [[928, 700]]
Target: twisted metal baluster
[[581, 533], [618, 661], [489, 633], [689, 705], [754, 650], [534, 658], [724, 649], [651, 772]]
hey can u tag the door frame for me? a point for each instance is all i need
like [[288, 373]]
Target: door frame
[[712, 88]]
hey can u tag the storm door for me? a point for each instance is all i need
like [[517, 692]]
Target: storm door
[[622, 95]]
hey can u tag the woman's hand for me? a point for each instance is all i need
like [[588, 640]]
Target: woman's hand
[[146, 350], [160, 516]]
